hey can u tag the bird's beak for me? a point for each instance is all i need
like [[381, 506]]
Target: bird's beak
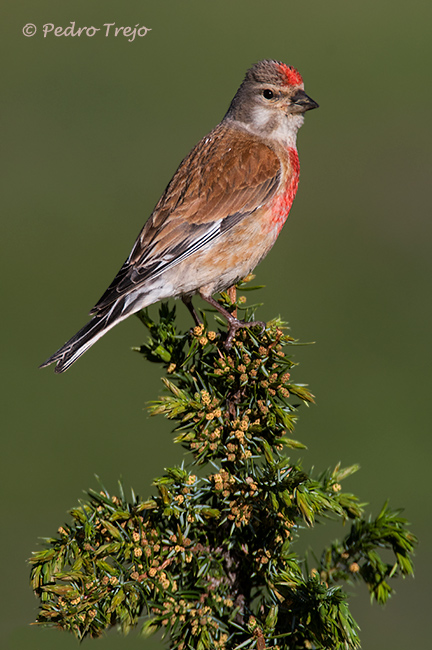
[[301, 102]]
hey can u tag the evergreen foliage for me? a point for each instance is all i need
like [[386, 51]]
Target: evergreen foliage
[[210, 560]]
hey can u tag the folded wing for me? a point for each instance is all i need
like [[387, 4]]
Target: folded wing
[[222, 181]]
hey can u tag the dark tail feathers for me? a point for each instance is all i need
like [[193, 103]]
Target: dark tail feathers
[[80, 343]]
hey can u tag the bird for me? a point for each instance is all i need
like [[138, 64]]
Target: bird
[[219, 215]]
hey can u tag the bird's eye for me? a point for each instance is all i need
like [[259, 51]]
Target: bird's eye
[[267, 93]]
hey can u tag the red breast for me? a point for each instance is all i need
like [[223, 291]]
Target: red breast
[[282, 202]]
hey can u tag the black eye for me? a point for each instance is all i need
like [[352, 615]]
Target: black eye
[[267, 93]]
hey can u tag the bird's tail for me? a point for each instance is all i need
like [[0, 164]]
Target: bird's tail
[[87, 336], [80, 343]]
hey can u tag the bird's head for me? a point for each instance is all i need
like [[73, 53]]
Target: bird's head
[[271, 100]]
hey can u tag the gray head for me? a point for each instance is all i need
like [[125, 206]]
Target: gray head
[[271, 91]]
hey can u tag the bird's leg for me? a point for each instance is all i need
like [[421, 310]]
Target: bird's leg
[[234, 323], [188, 302]]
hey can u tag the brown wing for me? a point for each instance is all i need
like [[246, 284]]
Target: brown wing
[[223, 179]]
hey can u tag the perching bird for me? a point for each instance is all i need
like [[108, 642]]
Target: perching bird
[[220, 214]]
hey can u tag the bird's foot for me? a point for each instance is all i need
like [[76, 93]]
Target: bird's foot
[[235, 325]]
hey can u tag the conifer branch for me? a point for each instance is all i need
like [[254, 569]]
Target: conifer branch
[[211, 561]]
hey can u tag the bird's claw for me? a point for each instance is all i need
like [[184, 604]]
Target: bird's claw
[[236, 325]]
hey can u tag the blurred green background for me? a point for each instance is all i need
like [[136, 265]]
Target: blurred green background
[[93, 129]]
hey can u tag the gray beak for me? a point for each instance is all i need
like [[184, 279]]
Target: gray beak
[[303, 102]]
